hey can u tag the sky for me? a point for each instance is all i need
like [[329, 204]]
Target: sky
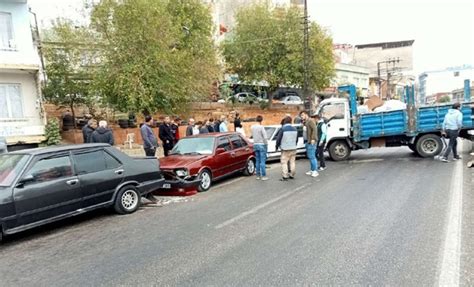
[[443, 30]]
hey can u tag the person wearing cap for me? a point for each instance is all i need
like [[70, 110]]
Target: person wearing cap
[[312, 140], [452, 124]]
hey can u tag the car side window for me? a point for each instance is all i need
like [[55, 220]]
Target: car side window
[[244, 142], [236, 141], [223, 142], [111, 162], [90, 161], [52, 168]]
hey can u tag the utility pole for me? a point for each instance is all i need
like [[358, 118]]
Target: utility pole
[[306, 93]]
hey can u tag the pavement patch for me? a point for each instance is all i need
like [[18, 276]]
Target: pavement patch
[[260, 206]]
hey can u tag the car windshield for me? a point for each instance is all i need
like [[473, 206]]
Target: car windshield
[[10, 167], [190, 146]]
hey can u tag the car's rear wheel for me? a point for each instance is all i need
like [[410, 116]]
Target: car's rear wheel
[[249, 168], [205, 180], [127, 200]]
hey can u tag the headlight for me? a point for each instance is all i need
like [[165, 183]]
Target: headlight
[[181, 172]]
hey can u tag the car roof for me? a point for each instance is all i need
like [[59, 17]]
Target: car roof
[[211, 135], [58, 148]]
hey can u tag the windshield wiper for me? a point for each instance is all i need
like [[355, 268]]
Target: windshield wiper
[[192, 153]]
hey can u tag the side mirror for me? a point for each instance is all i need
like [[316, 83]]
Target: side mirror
[[220, 150], [24, 180]]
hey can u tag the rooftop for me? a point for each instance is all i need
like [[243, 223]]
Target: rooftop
[[387, 45]]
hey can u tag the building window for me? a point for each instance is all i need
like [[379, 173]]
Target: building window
[[6, 32], [11, 102]]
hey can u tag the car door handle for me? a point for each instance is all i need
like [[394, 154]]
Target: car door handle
[[119, 171], [247, 149], [72, 182], [341, 129], [232, 154]]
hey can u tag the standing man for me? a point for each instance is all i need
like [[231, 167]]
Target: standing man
[[287, 140], [217, 124], [175, 129], [88, 129], [237, 122], [166, 135], [150, 142], [202, 128], [321, 128], [312, 139], [223, 126], [102, 134], [210, 125], [189, 129], [452, 124], [260, 144]]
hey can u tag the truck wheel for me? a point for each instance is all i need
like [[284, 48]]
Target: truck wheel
[[429, 145], [339, 150], [127, 201]]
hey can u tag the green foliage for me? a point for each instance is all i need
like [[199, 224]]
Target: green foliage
[[444, 99], [68, 76], [52, 132], [264, 105], [157, 54], [270, 48]]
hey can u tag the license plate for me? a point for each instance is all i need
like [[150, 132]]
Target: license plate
[[167, 185]]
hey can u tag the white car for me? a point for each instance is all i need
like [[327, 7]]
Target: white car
[[291, 100], [272, 134]]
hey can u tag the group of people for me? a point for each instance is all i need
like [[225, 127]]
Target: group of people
[[168, 131], [314, 135], [94, 132]]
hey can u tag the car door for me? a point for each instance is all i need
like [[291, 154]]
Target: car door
[[48, 188], [99, 173], [222, 162], [240, 151]]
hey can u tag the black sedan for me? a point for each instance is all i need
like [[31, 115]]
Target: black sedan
[[38, 186]]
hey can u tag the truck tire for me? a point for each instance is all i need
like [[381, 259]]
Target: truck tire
[[339, 150], [429, 145]]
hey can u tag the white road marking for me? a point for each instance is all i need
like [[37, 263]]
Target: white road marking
[[451, 255], [261, 206], [366, 160]]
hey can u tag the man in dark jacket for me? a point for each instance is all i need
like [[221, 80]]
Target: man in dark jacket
[[88, 129], [190, 128], [150, 142], [166, 135], [210, 125], [217, 124], [202, 128], [175, 129], [102, 134]]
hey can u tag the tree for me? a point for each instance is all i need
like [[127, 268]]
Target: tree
[[270, 48], [444, 99], [157, 54], [66, 47]]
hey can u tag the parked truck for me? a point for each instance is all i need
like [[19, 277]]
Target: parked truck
[[419, 128]]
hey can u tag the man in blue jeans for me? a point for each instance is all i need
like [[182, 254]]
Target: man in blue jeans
[[312, 139], [260, 144]]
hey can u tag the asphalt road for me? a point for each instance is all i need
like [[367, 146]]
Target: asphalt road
[[384, 218]]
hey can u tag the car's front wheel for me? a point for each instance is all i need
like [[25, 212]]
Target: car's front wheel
[[127, 200], [205, 180]]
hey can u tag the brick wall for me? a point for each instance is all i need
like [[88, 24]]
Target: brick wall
[[199, 111]]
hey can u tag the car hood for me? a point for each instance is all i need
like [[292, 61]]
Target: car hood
[[177, 161]]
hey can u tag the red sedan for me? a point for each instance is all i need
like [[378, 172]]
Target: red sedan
[[209, 157]]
